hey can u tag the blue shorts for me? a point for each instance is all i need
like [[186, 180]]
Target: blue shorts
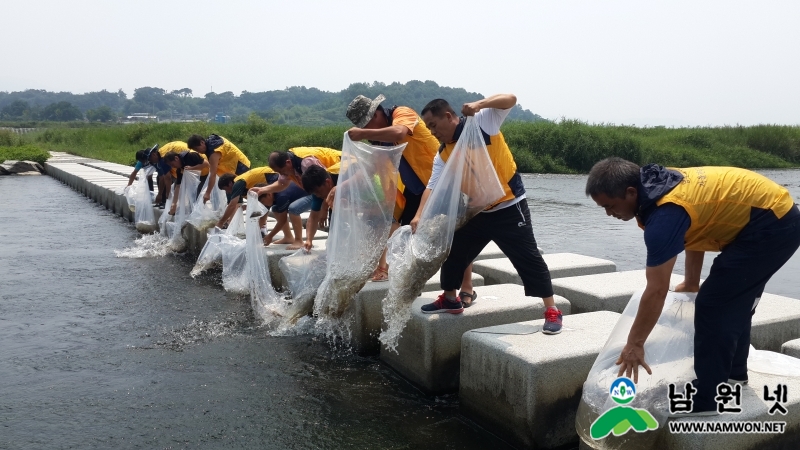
[[286, 197]]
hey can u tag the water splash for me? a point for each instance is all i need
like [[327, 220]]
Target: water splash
[[147, 246]]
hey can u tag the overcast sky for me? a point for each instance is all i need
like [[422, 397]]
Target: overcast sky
[[634, 62]]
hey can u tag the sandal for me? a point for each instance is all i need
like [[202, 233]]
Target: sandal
[[380, 274], [463, 297]]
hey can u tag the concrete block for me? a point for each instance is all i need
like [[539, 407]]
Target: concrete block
[[777, 320], [754, 409], [791, 348], [369, 313], [498, 271], [274, 254], [603, 292], [526, 386], [428, 351]]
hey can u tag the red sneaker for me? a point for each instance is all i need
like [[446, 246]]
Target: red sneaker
[[443, 305]]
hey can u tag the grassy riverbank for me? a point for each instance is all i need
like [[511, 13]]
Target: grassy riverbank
[[541, 147], [14, 147]]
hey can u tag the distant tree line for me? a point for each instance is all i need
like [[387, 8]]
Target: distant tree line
[[296, 105]]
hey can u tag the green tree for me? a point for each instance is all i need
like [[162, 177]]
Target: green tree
[[16, 110], [101, 114], [61, 112]]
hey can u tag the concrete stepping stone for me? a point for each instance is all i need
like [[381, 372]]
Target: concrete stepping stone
[[777, 320], [791, 348], [369, 313], [603, 292], [526, 386], [428, 352], [500, 271]]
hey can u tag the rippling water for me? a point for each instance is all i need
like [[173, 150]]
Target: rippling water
[[104, 352]]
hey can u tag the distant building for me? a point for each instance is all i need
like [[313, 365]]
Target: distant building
[[140, 118], [222, 118]]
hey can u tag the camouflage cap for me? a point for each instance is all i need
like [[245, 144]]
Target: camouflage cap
[[361, 109]]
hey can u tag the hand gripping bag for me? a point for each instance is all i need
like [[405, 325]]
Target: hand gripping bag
[[467, 185], [206, 214], [361, 221], [144, 217], [265, 301], [669, 351], [304, 272]]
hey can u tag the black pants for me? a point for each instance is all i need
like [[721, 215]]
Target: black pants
[[510, 228], [726, 303], [410, 210]]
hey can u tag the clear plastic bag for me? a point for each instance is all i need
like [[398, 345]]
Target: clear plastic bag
[[669, 351], [266, 302], [235, 277], [304, 272], [186, 198], [165, 217], [144, 217], [205, 215], [130, 195], [211, 254], [467, 185], [360, 225]]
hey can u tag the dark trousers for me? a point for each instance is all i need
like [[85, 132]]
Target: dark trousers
[[726, 303], [510, 228]]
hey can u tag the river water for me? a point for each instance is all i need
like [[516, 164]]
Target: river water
[[105, 352]]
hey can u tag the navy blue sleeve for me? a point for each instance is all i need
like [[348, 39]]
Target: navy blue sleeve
[[316, 203], [664, 233]]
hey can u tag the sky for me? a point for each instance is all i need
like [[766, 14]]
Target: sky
[[644, 63]]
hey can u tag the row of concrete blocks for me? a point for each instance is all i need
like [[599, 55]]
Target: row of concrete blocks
[[507, 371], [526, 386]]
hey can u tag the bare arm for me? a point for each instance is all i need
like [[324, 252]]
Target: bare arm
[[312, 223], [499, 101], [273, 188], [650, 307], [213, 163], [175, 199], [694, 265], [229, 211], [394, 133], [199, 167], [132, 177]]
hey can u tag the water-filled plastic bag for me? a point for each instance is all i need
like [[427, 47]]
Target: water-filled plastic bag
[[144, 217], [360, 225], [206, 214], [468, 184], [266, 302], [304, 272]]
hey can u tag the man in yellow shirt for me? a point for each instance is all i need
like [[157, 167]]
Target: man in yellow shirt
[[507, 223], [165, 173], [752, 221], [394, 126], [291, 165], [223, 156], [236, 188]]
